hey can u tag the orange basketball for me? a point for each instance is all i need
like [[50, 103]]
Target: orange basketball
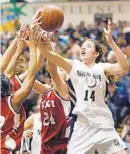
[[52, 18]]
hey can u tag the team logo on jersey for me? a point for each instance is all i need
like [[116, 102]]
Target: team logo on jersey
[[116, 142], [91, 81], [2, 121]]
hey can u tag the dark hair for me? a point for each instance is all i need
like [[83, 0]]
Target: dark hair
[[5, 86], [128, 133], [99, 49]]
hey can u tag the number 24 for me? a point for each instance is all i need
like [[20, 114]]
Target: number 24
[[48, 119]]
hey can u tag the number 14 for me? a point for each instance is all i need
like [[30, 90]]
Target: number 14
[[92, 96]]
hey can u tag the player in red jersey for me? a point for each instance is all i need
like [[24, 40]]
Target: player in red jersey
[[12, 113], [55, 108], [15, 82]]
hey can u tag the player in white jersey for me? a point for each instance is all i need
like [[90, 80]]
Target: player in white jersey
[[33, 127], [94, 128]]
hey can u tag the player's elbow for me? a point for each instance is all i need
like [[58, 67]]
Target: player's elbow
[[126, 66], [125, 71], [52, 69], [3, 68], [26, 91], [28, 84]]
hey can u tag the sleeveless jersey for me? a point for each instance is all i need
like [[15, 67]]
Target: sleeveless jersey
[[36, 140], [90, 88], [11, 125], [55, 122], [16, 84]]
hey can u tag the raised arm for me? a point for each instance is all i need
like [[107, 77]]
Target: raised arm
[[45, 47], [11, 66], [38, 87], [58, 82], [8, 55], [26, 87], [28, 124], [121, 67], [40, 58], [9, 52]]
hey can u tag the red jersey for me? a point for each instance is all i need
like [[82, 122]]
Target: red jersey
[[55, 122], [12, 125], [16, 84]]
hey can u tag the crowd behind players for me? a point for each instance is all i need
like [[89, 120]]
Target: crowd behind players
[[67, 43]]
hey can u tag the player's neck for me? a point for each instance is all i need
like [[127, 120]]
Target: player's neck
[[89, 63]]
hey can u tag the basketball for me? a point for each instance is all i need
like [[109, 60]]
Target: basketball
[[52, 18]]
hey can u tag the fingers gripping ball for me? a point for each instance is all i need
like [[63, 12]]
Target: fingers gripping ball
[[52, 18]]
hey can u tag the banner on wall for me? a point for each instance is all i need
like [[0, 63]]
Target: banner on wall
[[77, 11], [10, 16]]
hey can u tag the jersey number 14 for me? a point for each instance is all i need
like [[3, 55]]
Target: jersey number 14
[[92, 95]]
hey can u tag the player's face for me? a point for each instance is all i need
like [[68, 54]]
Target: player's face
[[88, 51]]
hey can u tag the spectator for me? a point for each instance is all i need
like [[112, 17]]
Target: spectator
[[127, 141], [70, 30], [126, 127], [126, 31], [117, 103], [115, 31]]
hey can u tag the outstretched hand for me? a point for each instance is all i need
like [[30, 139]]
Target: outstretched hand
[[108, 31], [45, 38], [33, 37], [37, 18], [44, 41], [24, 31], [22, 34]]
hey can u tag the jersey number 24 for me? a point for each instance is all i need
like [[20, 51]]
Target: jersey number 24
[[48, 119]]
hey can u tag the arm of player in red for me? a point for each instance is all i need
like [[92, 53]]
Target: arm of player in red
[[10, 51], [26, 87]]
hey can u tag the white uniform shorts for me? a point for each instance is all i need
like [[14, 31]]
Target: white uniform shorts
[[86, 139]]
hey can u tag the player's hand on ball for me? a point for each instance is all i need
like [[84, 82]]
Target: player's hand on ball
[[50, 18], [36, 18], [108, 32], [37, 14]]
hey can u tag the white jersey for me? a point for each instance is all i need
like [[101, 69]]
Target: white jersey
[[90, 88], [36, 141]]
